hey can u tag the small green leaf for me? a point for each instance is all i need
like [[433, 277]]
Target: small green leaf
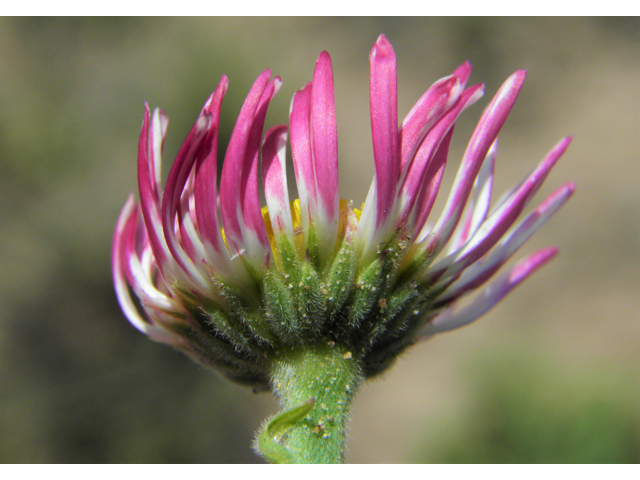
[[267, 444]]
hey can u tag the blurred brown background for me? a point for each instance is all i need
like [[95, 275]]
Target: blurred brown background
[[550, 375]]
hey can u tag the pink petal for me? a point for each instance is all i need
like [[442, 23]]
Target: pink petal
[[137, 276], [421, 171], [425, 113], [484, 135], [478, 206], [238, 185], [325, 144], [148, 185], [490, 295], [254, 233], [176, 181], [189, 238], [463, 72], [384, 126], [274, 175], [431, 180], [299, 127], [314, 147], [157, 133], [127, 221], [481, 271], [500, 219], [205, 187]]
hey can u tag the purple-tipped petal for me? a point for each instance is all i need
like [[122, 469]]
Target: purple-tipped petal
[[325, 145], [484, 135], [238, 185], [384, 126], [490, 295], [478, 273], [425, 113], [500, 219], [205, 187], [127, 221], [274, 175]]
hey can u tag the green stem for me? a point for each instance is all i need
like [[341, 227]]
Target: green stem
[[329, 375]]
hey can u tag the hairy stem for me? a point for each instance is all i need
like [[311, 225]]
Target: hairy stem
[[328, 374]]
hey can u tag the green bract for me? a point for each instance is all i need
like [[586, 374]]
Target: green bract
[[367, 309]]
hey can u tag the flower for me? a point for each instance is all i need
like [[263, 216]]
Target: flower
[[235, 284]]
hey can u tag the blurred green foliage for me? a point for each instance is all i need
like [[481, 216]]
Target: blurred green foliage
[[521, 410]]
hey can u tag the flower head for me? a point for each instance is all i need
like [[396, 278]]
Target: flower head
[[235, 284]]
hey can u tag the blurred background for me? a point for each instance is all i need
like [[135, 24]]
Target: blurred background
[[550, 375]]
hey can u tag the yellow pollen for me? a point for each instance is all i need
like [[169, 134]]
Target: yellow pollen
[[224, 238], [295, 217], [269, 227], [296, 220], [358, 212]]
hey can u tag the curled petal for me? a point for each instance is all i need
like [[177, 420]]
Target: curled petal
[[314, 147], [126, 222], [157, 133], [428, 191], [255, 233], [189, 238], [139, 276], [381, 204]]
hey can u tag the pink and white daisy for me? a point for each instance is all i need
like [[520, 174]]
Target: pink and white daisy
[[236, 284]]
